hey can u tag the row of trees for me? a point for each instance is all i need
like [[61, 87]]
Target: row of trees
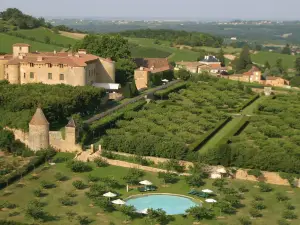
[[167, 128], [177, 37], [18, 103]]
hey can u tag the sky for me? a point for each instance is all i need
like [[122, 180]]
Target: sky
[[167, 9]]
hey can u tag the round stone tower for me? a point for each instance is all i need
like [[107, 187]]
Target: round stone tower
[[38, 131]]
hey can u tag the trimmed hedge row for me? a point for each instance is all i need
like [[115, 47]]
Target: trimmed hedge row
[[249, 102], [37, 161], [165, 92], [10, 222], [108, 120], [235, 130], [208, 135]]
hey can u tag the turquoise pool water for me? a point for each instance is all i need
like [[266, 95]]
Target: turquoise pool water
[[170, 203]]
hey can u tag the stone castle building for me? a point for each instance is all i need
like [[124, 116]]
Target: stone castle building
[[40, 137], [76, 69]]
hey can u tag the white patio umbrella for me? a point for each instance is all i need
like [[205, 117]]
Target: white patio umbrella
[[207, 191], [210, 200], [165, 80], [146, 182], [118, 202], [109, 195], [144, 211]]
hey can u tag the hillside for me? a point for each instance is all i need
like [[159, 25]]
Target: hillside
[[261, 57], [6, 42], [40, 34]]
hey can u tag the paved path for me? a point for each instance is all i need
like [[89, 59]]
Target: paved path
[[248, 111], [141, 96]]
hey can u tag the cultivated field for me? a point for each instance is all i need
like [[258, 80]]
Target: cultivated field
[[288, 61]]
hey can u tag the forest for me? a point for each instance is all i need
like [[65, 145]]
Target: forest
[[166, 128], [19, 102], [177, 37], [270, 142]]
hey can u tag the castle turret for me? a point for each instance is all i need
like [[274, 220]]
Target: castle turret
[[71, 132], [38, 131]]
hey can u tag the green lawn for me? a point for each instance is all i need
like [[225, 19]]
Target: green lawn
[[41, 32], [227, 50], [230, 125], [262, 57], [6, 42], [22, 195]]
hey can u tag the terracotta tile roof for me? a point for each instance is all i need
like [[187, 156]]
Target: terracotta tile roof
[[77, 60], [39, 118], [21, 44], [5, 57], [251, 71], [189, 64], [153, 64], [273, 78]]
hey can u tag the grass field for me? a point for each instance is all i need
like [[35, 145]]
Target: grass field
[[261, 57], [6, 42], [227, 50], [40, 34], [22, 195]]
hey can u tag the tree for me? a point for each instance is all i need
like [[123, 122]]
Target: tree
[[195, 180], [279, 66], [255, 172], [297, 66], [133, 176], [200, 213], [225, 207], [159, 216], [267, 65], [245, 221], [106, 46], [221, 57], [286, 50], [183, 74], [104, 203], [47, 39], [124, 70], [168, 178], [244, 59], [129, 211]]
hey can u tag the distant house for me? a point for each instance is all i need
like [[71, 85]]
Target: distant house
[[209, 64], [275, 81], [251, 76], [147, 67]]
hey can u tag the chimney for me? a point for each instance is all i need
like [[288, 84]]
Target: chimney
[[81, 51], [141, 68], [152, 68], [39, 58]]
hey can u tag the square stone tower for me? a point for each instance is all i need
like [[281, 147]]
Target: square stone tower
[[71, 132]]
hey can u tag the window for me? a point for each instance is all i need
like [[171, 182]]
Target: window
[[61, 65], [49, 65], [20, 48], [24, 75], [49, 76], [31, 64], [31, 75], [61, 76]]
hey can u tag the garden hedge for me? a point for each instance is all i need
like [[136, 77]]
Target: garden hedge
[[165, 92], [249, 102], [208, 135]]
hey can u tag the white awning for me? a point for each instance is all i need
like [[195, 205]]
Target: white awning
[[108, 86]]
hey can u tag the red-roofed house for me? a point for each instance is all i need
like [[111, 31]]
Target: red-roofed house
[[77, 69], [147, 67], [275, 81]]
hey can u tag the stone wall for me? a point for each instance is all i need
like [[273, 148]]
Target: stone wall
[[55, 138], [58, 143]]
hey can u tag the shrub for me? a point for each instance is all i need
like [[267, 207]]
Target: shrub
[[255, 172], [220, 183], [244, 221], [281, 197], [174, 164], [12, 214], [258, 205], [39, 192], [104, 204], [8, 205], [67, 201], [96, 190], [78, 184], [71, 194], [255, 213], [265, 187], [47, 184], [200, 213], [258, 198], [283, 222], [79, 166], [60, 177], [243, 189], [101, 162], [84, 220], [71, 215], [288, 214], [92, 178], [289, 206], [60, 159], [170, 178], [195, 180]]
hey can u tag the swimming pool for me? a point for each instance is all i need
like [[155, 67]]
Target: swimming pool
[[172, 204]]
